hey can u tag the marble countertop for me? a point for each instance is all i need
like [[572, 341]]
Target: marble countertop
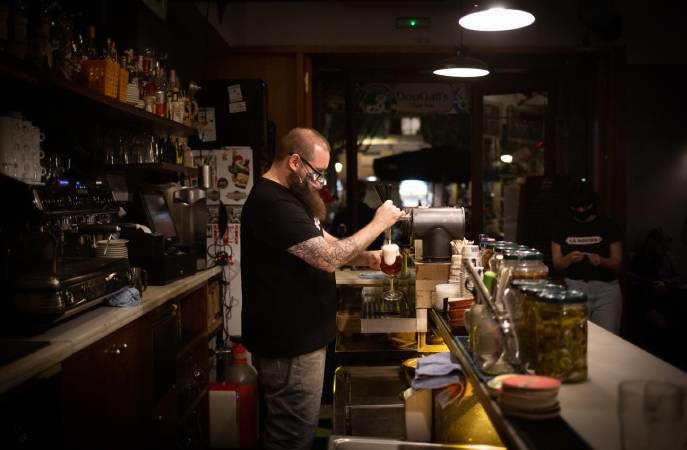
[[591, 407], [83, 330]]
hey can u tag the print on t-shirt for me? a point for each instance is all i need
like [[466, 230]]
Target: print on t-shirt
[[583, 240]]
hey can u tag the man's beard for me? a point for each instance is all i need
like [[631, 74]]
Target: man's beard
[[308, 196]]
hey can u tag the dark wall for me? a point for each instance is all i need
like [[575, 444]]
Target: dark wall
[[656, 141]]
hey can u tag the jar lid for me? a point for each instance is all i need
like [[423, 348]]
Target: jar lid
[[532, 255], [562, 297], [511, 255], [535, 289], [500, 246], [520, 283]]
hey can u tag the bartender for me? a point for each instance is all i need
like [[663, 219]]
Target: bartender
[[289, 290]]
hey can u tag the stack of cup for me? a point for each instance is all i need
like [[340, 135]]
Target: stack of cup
[[472, 254], [20, 150], [456, 308]]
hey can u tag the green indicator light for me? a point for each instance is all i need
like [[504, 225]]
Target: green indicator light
[[412, 22]]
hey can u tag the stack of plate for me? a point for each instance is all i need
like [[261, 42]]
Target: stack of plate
[[530, 397], [114, 248]]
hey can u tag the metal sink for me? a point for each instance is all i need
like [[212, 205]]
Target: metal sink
[[366, 443]]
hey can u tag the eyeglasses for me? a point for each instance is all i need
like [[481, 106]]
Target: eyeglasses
[[315, 175]]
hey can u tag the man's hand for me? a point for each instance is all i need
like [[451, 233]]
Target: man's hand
[[374, 259], [594, 258], [574, 257], [387, 214]]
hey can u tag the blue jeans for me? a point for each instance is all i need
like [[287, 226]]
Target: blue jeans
[[291, 389], [604, 301]]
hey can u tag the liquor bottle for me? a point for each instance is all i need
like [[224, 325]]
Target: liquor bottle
[[173, 86], [91, 51]]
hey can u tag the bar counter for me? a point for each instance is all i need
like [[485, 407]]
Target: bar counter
[[79, 332], [589, 408]]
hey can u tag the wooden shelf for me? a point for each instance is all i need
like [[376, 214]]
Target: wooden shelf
[[162, 167], [20, 71]]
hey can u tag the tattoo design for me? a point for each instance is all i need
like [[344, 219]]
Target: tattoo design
[[325, 255]]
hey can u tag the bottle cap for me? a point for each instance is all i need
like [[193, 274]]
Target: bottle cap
[[238, 351]]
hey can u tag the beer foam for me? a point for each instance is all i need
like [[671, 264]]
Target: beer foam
[[389, 253]]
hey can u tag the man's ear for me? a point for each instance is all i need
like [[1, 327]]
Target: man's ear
[[292, 162]]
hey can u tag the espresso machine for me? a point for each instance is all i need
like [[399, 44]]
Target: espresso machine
[[49, 261]]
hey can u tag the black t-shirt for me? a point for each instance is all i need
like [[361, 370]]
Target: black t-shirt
[[289, 307], [587, 237]]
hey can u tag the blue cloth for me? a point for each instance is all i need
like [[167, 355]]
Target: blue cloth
[[124, 297], [372, 275], [437, 371], [437, 364], [436, 382]]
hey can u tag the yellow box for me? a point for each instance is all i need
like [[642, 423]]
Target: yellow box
[[101, 75]]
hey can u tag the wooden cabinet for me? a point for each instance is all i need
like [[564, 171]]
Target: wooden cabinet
[[144, 386], [106, 390]]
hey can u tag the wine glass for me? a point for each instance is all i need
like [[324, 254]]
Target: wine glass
[[391, 265]]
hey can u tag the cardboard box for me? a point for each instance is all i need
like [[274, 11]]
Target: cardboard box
[[427, 276]]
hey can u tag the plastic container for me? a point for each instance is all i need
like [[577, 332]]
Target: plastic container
[[243, 379], [559, 334]]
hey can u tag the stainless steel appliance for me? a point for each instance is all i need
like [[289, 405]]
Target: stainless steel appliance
[[190, 215], [437, 227], [78, 283], [166, 254]]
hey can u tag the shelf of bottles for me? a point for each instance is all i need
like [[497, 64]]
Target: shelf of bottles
[[55, 55]]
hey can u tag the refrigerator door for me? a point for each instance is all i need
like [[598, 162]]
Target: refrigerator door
[[240, 113]]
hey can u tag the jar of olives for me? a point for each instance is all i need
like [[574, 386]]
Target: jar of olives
[[529, 289], [558, 330]]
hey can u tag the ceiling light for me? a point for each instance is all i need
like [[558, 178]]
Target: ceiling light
[[462, 67], [338, 167], [495, 16], [506, 158]]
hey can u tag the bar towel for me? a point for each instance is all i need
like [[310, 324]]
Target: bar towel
[[124, 297]]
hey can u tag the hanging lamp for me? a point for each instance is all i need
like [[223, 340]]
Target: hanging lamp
[[462, 67], [495, 15]]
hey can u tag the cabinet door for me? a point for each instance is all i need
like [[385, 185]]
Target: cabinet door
[[106, 389]]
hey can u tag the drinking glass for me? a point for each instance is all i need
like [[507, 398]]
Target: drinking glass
[[652, 415], [391, 265]]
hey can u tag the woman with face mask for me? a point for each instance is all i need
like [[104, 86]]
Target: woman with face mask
[[587, 249]]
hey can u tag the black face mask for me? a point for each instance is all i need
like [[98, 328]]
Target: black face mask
[[584, 215]]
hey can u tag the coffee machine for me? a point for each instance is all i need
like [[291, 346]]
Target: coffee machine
[[190, 214]]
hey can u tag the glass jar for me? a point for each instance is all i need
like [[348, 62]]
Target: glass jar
[[559, 335], [530, 265], [515, 303], [487, 253], [529, 290]]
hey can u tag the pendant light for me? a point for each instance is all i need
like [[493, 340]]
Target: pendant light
[[495, 15], [462, 67]]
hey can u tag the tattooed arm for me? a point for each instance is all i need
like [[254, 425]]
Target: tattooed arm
[[329, 254]]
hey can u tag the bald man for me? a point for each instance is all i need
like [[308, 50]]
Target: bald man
[[289, 290]]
